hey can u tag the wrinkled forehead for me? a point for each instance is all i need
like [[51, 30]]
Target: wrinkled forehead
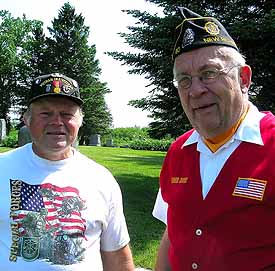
[[55, 102], [203, 57]]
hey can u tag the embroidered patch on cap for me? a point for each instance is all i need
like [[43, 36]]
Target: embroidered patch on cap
[[54, 85], [197, 31], [250, 188]]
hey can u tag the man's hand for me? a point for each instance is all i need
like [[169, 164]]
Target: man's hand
[[162, 263]]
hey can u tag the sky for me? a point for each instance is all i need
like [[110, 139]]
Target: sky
[[105, 20]]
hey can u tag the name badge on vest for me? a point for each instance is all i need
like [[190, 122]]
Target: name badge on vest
[[179, 180]]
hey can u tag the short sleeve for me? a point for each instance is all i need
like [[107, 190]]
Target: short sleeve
[[115, 235], [160, 209]]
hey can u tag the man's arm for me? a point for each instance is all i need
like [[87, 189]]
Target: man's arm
[[119, 260], [162, 263]]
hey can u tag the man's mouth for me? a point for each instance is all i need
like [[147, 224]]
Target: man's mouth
[[56, 133], [203, 106]]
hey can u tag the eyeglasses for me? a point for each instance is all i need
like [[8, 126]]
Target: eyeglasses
[[206, 76]]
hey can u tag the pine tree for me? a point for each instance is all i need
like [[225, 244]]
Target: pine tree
[[68, 52], [251, 24]]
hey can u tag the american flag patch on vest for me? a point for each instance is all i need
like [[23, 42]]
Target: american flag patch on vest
[[250, 188]]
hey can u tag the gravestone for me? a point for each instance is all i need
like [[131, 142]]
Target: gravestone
[[109, 143], [24, 136], [94, 140], [3, 129]]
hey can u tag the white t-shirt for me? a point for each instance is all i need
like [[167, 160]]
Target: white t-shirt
[[57, 215]]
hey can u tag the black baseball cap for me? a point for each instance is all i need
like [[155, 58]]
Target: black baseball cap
[[196, 31], [55, 84]]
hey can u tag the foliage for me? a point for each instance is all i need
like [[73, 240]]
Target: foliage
[[252, 25], [123, 136], [26, 52], [68, 52], [136, 138], [97, 118], [151, 144], [16, 38], [11, 140]]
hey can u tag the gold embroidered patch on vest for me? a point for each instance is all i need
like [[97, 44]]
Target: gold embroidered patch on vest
[[250, 188], [179, 179]]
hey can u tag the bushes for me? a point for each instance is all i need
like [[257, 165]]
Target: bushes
[[136, 138], [133, 138], [151, 144], [10, 140], [123, 136]]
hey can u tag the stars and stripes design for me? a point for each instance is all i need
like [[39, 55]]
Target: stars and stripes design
[[250, 188], [57, 208]]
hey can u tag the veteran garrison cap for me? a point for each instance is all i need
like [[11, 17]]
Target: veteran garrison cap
[[196, 31], [55, 84]]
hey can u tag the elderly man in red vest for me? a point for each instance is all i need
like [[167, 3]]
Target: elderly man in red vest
[[217, 192]]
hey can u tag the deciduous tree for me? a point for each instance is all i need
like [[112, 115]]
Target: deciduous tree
[[16, 39]]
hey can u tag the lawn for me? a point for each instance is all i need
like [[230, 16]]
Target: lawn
[[137, 173]]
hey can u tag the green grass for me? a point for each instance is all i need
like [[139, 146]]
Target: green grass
[[137, 173], [3, 149]]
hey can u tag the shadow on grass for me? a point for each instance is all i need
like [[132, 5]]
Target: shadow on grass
[[139, 194]]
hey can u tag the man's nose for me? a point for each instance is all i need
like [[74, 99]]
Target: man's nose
[[197, 87], [56, 118]]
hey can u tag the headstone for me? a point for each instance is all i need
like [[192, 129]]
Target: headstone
[[109, 143], [94, 140], [3, 129], [24, 136]]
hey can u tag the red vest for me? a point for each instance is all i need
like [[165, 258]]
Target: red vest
[[233, 228]]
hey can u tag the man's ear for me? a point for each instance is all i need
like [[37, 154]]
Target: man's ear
[[245, 78], [26, 120]]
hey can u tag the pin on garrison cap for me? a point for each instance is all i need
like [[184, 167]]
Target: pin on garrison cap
[[55, 85], [196, 31]]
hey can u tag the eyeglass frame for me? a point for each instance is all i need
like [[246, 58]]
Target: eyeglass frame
[[223, 71]]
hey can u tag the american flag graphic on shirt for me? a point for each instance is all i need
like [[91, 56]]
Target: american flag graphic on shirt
[[59, 208], [250, 188]]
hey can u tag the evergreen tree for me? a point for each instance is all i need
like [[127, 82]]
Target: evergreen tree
[[68, 52], [38, 52], [251, 24]]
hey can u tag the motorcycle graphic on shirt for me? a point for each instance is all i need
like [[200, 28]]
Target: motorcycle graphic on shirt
[[46, 223]]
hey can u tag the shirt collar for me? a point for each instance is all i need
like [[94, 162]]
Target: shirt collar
[[249, 130]]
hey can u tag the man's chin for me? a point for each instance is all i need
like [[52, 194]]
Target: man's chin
[[56, 151], [59, 145]]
